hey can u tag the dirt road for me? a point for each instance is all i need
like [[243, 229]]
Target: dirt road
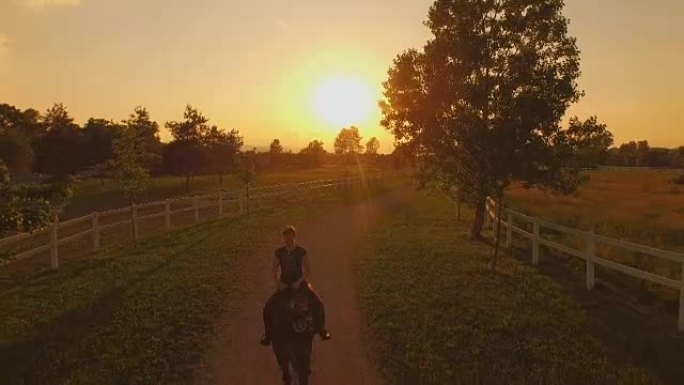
[[330, 240]]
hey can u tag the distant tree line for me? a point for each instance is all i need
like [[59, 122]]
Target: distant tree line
[[641, 154], [53, 144]]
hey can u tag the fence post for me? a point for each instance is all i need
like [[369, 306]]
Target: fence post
[[220, 203], [591, 255], [167, 215], [54, 246], [134, 221], [195, 204], [509, 230], [535, 241], [681, 302], [96, 231]]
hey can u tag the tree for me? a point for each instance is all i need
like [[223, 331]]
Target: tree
[[678, 157], [481, 104], [185, 153], [98, 139], [135, 152], [275, 153], [276, 147], [372, 146], [222, 149], [642, 150], [588, 142], [348, 143], [59, 151], [147, 133], [628, 154], [314, 153], [27, 207], [18, 133]]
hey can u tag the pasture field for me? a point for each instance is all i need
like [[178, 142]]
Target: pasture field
[[640, 206], [142, 314], [438, 314], [102, 194], [637, 206]]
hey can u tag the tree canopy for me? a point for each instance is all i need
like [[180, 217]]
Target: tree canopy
[[372, 146], [348, 141], [481, 104], [27, 207], [314, 153], [276, 147]]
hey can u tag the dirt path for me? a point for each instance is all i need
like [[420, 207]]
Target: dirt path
[[330, 241]]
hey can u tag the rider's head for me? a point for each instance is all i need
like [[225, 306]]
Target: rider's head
[[289, 235]]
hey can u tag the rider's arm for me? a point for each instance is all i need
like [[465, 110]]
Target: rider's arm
[[306, 268], [276, 267], [306, 271]]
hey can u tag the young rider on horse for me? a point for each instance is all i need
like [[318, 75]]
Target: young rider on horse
[[293, 264]]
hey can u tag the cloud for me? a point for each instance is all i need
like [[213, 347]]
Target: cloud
[[41, 4], [4, 45]]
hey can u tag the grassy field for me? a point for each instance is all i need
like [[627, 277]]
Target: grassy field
[[140, 315], [641, 206], [637, 206], [439, 315], [101, 194]]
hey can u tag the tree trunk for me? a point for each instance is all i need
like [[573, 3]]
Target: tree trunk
[[459, 206], [497, 241], [478, 223], [187, 182]]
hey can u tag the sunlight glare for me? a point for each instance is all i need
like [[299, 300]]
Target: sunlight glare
[[342, 100]]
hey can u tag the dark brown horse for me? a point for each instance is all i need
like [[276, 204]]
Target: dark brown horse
[[293, 330]]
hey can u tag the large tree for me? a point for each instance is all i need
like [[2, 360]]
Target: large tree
[[185, 153], [481, 104]]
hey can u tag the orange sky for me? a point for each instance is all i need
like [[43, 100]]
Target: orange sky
[[254, 65]]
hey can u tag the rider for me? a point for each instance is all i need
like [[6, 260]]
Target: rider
[[293, 264]]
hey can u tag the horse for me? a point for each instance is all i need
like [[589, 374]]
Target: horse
[[293, 330]]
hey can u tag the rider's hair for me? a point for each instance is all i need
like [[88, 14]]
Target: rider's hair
[[289, 230]]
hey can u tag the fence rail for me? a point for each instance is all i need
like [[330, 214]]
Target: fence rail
[[589, 254], [97, 224]]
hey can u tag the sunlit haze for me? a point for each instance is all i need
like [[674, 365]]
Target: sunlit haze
[[299, 70]]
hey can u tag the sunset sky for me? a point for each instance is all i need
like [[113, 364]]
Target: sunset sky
[[268, 67]]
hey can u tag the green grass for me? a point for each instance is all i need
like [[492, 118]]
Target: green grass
[[101, 194], [438, 314], [140, 315]]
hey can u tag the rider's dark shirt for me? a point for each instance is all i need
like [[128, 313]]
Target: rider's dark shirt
[[290, 263]]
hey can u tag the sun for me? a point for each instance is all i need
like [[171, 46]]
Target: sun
[[342, 100]]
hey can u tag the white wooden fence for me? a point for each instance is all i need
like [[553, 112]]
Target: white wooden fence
[[589, 254], [94, 225]]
